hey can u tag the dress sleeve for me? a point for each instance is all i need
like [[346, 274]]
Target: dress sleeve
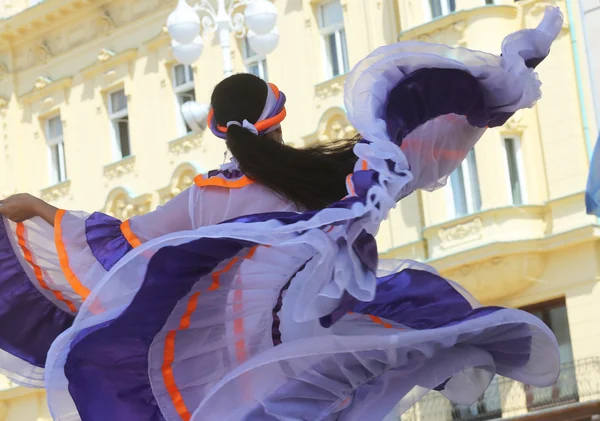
[[47, 272], [83, 240]]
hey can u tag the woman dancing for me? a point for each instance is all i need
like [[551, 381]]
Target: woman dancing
[[257, 293]]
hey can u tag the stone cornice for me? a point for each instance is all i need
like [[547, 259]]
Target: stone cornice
[[107, 60], [44, 87], [35, 20]]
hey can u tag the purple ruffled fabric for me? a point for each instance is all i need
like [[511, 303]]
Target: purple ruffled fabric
[[106, 240], [29, 322]]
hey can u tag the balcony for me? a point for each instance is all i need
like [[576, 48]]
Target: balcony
[[574, 397]]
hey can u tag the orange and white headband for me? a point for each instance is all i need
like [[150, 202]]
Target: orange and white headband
[[270, 119]]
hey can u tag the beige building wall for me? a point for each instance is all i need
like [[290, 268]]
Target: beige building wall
[[64, 58]]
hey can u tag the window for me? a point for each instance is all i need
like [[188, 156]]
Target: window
[[119, 120], [514, 164], [464, 187], [439, 8], [554, 315], [56, 150], [183, 85], [331, 24], [254, 63]]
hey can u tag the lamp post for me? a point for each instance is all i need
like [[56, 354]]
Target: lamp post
[[188, 24]]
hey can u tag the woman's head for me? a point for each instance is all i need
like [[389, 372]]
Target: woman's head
[[247, 113]]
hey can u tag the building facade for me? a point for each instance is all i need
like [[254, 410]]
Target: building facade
[[90, 119]]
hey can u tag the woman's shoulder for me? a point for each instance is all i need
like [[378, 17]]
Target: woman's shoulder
[[239, 193], [229, 178]]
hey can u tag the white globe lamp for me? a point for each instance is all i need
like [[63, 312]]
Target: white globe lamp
[[261, 16], [184, 23], [188, 53], [263, 44], [195, 115]]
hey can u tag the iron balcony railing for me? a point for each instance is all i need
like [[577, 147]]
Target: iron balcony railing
[[579, 381]]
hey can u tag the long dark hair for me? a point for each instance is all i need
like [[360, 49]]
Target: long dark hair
[[313, 177]]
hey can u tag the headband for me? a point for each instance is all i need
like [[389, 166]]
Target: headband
[[273, 114]]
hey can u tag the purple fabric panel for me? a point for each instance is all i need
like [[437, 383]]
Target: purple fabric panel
[[105, 238], [422, 300], [29, 322], [308, 397], [363, 180], [365, 248], [107, 366], [228, 174], [416, 299], [429, 93], [347, 304]]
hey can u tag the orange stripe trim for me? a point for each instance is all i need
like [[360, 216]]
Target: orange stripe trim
[[202, 181], [131, 238], [350, 185], [365, 166], [184, 323], [379, 321], [39, 275], [63, 257]]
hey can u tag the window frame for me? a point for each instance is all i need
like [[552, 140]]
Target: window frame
[[520, 168], [115, 118], [188, 87], [338, 30], [56, 173], [445, 7], [472, 191], [254, 60]]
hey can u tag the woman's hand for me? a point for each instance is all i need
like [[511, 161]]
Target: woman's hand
[[20, 207]]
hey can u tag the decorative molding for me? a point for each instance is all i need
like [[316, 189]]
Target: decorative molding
[[514, 125], [120, 168], [183, 177], [105, 22], [105, 55], [185, 144], [41, 52], [333, 125], [121, 205], [41, 82], [107, 60], [496, 278], [3, 70], [461, 234], [44, 87], [330, 88], [56, 192], [453, 34], [438, 30]]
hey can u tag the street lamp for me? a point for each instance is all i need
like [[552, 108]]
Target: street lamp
[[187, 28]]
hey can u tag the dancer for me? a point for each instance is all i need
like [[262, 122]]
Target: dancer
[[257, 293], [592, 191]]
